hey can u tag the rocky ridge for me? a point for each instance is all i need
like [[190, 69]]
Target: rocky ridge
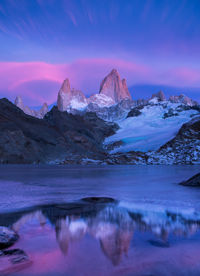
[[35, 113], [26, 139], [112, 103]]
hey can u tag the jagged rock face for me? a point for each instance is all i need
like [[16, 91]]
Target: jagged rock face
[[160, 96], [64, 96], [115, 88], [183, 100], [38, 114], [44, 109], [19, 102], [70, 98], [112, 91]]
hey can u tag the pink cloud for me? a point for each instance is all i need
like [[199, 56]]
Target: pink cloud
[[39, 82], [186, 76], [16, 75]]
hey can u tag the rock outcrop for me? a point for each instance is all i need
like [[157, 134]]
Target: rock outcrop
[[135, 112], [182, 99], [115, 88], [19, 103], [44, 109], [36, 113], [7, 237], [160, 96], [194, 181]]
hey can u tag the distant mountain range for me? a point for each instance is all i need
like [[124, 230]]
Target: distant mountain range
[[108, 127], [113, 92]]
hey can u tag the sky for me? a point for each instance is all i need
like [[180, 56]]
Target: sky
[[152, 43]]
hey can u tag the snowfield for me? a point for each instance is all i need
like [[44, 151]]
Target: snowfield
[[149, 130]]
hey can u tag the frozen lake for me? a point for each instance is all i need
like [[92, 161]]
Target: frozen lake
[[24, 186], [153, 227]]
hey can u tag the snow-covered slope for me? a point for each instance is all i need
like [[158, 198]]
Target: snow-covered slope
[[157, 124], [101, 100]]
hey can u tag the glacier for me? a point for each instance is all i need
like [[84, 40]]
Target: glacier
[[150, 130]]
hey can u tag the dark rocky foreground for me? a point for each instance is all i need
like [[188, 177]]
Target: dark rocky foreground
[[60, 135], [11, 260]]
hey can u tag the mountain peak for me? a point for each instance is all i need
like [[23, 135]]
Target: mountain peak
[[160, 96], [115, 88], [70, 98], [114, 72], [19, 102], [66, 86]]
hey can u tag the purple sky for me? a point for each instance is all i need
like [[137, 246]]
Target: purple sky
[[152, 43]]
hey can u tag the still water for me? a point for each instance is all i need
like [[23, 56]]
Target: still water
[[152, 227]]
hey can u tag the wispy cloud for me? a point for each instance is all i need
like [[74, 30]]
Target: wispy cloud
[[72, 17]]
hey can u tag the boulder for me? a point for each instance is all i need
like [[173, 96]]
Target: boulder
[[7, 237], [194, 181]]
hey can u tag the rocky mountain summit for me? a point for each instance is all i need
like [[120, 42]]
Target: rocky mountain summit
[[115, 88], [112, 91], [112, 103]]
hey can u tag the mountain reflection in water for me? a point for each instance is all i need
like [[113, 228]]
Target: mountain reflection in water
[[86, 228]]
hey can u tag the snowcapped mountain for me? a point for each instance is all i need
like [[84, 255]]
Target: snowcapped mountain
[[112, 91], [144, 125], [112, 103]]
